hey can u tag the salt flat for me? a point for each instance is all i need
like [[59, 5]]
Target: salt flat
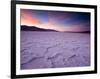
[[54, 49]]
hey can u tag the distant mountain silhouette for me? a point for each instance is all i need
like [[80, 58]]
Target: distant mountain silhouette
[[33, 28], [77, 32]]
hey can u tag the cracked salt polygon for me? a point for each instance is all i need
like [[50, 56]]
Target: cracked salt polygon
[[31, 53], [37, 63]]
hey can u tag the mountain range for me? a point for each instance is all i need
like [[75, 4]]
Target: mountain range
[[34, 28]]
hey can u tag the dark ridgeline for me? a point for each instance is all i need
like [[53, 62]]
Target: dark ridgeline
[[77, 32], [33, 28]]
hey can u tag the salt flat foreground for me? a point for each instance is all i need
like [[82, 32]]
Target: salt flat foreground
[[54, 49]]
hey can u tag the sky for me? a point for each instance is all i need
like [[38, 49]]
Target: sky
[[57, 20]]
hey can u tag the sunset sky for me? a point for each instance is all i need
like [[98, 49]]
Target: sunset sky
[[56, 20]]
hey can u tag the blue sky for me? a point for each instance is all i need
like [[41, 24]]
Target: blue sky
[[57, 20]]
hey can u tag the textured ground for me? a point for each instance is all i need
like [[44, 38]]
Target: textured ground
[[54, 49]]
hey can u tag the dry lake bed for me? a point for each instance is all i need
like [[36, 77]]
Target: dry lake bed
[[54, 49]]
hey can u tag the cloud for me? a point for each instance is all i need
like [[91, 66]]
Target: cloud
[[57, 20]]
